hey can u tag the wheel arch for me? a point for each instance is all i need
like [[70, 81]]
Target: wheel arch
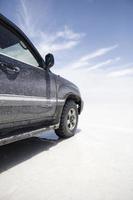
[[74, 98]]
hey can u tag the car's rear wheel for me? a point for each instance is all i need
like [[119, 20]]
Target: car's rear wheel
[[68, 121]]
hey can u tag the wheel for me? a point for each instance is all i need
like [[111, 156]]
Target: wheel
[[68, 121]]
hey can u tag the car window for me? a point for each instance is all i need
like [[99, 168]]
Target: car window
[[12, 46]]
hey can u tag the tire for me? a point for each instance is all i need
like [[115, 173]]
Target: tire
[[68, 121]]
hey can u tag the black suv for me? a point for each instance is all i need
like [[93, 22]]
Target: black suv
[[32, 98]]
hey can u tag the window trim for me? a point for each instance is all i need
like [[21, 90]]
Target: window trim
[[21, 61], [18, 33]]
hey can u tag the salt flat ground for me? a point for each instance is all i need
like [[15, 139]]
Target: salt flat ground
[[95, 164]]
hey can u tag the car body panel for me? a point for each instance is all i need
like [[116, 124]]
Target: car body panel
[[33, 95]]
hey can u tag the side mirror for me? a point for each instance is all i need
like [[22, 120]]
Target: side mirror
[[49, 60]]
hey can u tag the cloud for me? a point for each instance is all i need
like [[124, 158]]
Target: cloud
[[63, 39], [97, 53], [69, 34], [102, 64], [127, 65], [60, 40], [123, 72], [25, 20], [57, 41], [54, 47], [85, 60]]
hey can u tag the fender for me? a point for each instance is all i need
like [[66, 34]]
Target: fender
[[66, 90]]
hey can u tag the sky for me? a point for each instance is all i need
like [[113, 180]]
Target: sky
[[92, 35]]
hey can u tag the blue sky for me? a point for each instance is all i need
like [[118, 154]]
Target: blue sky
[[87, 34]]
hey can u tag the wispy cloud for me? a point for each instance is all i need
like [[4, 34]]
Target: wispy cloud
[[69, 34], [85, 60], [121, 66], [63, 39], [60, 40], [99, 52], [57, 41], [102, 64], [25, 20], [123, 72]]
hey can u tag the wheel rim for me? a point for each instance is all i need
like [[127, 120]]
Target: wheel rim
[[71, 119]]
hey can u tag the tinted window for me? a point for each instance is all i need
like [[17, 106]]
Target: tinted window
[[12, 46]]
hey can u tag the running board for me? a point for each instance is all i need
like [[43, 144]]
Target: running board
[[25, 135]]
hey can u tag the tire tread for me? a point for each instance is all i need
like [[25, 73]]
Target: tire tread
[[62, 131]]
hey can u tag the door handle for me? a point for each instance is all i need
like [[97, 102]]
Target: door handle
[[9, 68], [12, 70]]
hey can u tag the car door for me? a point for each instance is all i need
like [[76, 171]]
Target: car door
[[24, 86]]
